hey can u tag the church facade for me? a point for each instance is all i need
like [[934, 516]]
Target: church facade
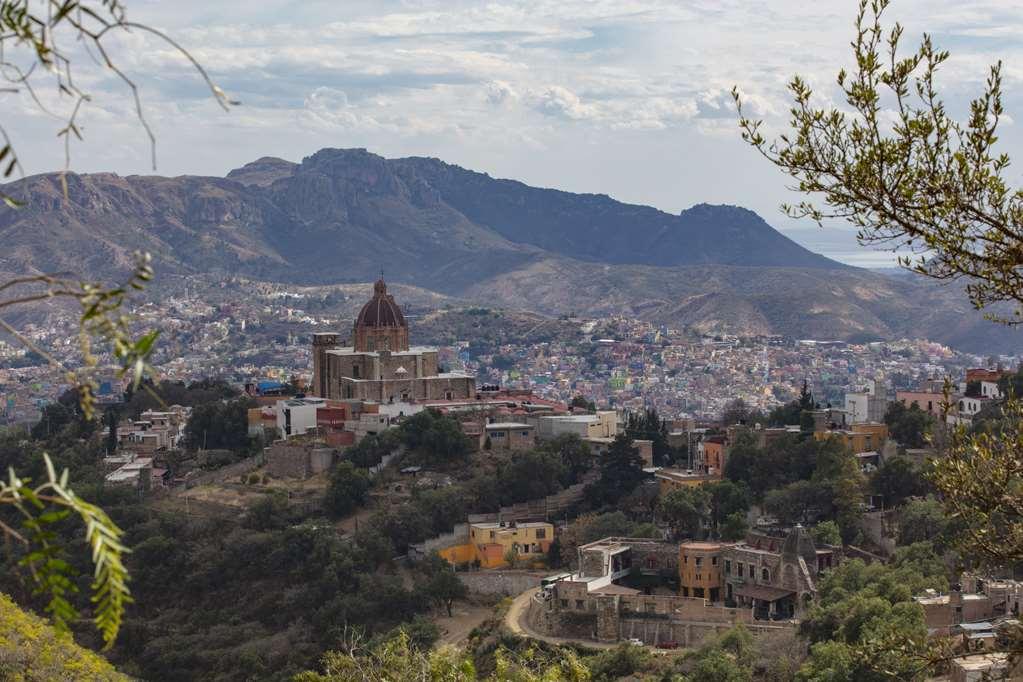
[[379, 364]]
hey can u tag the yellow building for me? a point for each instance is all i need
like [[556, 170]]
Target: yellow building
[[490, 543], [673, 479], [859, 437], [699, 570]]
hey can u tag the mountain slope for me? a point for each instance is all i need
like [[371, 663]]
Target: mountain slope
[[344, 215]]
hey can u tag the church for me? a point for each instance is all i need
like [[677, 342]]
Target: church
[[379, 364]]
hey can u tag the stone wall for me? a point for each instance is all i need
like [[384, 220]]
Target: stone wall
[[297, 461], [501, 583]]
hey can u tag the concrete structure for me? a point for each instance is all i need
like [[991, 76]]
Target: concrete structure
[[622, 590], [989, 667], [297, 416], [299, 459], [380, 364], [868, 405], [699, 570], [132, 471], [603, 424], [510, 436]]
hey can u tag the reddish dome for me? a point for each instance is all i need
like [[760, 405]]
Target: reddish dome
[[381, 310]]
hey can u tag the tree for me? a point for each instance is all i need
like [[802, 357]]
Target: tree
[[910, 426], [620, 472], [923, 521], [727, 499], [583, 403], [827, 533], [923, 180], [687, 510], [440, 584], [347, 489], [435, 438], [219, 426], [897, 480], [648, 425], [575, 455], [34, 650], [734, 527], [786, 415]]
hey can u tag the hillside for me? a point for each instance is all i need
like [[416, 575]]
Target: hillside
[[342, 216]]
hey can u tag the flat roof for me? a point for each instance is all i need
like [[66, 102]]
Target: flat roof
[[702, 546], [509, 425], [495, 525]]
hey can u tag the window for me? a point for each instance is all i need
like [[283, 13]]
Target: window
[[650, 607], [525, 434], [728, 567], [713, 561], [355, 371], [699, 561], [541, 533], [685, 559], [699, 576], [492, 535], [738, 568], [765, 575], [498, 434], [564, 603], [579, 604]]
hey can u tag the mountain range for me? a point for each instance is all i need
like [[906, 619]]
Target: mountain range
[[345, 215]]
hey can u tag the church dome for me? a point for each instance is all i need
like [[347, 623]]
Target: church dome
[[381, 310]]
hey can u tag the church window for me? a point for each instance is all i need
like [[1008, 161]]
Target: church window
[[355, 371], [371, 343]]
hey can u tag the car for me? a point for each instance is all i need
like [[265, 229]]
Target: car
[[634, 642], [668, 645]]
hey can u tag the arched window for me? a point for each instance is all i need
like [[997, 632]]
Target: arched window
[[765, 575], [651, 562]]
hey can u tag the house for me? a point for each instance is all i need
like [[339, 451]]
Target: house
[[673, 479], [491, 542], [510, 436]]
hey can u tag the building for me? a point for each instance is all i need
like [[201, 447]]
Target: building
[[776, 577], [601, 425], [380, 364], [865, 437], [673, 479], [510, 436], [491, 543], [699, 570], [928, 401], [626, 588], [866, 406]]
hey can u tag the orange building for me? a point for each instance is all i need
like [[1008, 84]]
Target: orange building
[[699, 570]]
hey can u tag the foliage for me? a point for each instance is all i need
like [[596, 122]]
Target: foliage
[[980, 481], [621, 471], [897, 480], [397, 660], [648, 425], [439, 584], [33, 650], [827, 533], [922, 180], [347, 489], [910, 426], [869, 608], [738, 412], [434, 438], [220, 426], [734, 527], [618, 663], [788, 414], [924, 521], [687, 510], [40, 508], [583, 403], [372, 448]]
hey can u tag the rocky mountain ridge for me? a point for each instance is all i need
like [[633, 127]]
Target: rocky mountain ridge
[[345, 215]]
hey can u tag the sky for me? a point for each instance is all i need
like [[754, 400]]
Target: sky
[[629, 98]]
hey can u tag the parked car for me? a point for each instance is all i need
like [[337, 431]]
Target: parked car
[[634, 642], [668, 645]]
